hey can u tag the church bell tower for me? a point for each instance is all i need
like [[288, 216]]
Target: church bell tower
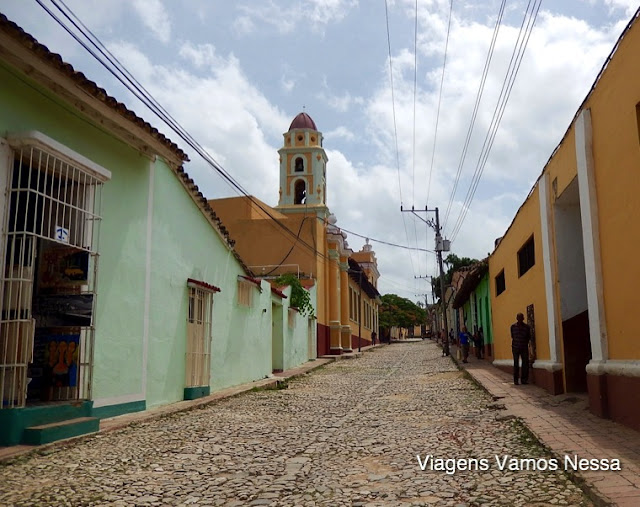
[[303, 167]]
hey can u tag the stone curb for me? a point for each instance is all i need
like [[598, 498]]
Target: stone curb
[[587, 488]]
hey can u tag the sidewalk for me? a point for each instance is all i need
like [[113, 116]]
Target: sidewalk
[[566, 426]]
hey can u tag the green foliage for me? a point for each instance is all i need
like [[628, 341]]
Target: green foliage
[[454, 263], [300, 297], [396, 311]]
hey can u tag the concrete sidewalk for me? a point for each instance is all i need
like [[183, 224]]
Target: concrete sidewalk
[[566, 426]]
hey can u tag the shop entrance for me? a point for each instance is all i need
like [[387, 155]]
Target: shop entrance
[[49, 268]]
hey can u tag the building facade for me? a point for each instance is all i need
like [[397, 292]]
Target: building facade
[[568, 259], [113, 301], [300, 236]]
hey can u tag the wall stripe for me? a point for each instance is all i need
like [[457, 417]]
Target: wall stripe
[[591, 238], [549, 271], [147, 282]]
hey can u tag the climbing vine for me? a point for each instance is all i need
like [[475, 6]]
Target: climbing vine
[[300, 297]]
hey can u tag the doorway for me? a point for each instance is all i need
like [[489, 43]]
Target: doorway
[[573, 289], [277, 338]]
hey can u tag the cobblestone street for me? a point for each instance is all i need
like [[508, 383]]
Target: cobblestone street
[[347, 434]]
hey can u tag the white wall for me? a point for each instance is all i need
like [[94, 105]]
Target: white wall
[[571, 273]]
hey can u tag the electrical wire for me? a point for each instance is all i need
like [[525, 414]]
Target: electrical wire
[[147, 99], [476, 106], [514, 66], [395, 127], [382, 242], [415, 88], [435, 133]]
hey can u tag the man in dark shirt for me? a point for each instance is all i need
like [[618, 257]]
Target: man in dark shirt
[[520, 336]]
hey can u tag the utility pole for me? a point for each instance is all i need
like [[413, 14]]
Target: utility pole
[[441, 245]]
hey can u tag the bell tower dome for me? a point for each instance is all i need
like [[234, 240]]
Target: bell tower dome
[[303, 165]]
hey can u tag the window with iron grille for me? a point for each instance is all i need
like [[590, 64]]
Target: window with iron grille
[[526, 257], [53, 215]]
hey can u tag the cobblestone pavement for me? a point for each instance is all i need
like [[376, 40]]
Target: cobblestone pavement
[[347, 434]]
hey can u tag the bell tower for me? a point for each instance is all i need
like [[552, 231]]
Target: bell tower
[[303, 166]]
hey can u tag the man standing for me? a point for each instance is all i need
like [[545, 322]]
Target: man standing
[[520, 336], [464, 344]]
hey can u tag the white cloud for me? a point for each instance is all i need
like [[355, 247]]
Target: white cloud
[[230, 103], [155, 17], [341, 132], [221, 110], [287, 84], [243, 25], [200, 56], [300, 15], [629, 6]]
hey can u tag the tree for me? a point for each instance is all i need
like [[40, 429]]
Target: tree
[[454, 263], [396, 311]]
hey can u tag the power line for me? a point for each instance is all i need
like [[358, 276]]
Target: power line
[[435, 134], [395, 127], [382, 242], [474, 114], [507, 86], [129, 82], [415, 87]]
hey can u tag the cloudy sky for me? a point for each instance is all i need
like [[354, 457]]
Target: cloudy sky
[[235, 73]]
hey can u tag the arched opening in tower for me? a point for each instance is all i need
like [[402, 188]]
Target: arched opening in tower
[[300, 192], [299, 167]]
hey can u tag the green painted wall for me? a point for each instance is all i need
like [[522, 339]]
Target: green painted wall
[[296, 338], [121, 268], [484, 303], [184, 245]]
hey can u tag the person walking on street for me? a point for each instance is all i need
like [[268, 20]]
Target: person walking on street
[[520, 336], [479, 343], [464, 344]]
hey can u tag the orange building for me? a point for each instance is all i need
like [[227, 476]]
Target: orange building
[[569, 259], [300, 236]]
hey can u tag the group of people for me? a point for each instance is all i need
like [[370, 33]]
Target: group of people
[[465, 339], [520, 338]]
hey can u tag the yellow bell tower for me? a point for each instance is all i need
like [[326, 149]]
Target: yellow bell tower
[[303, 166]]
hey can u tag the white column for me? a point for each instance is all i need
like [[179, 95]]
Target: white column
[[6, 165], [591, 241], [549, 267], [147, 279]]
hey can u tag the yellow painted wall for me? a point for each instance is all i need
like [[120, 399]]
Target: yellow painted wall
[[520, 291], [260, 241], [616, 150], [355, 327]]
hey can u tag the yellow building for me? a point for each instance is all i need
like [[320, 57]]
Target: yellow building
[[300, 236], [569, 259]]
